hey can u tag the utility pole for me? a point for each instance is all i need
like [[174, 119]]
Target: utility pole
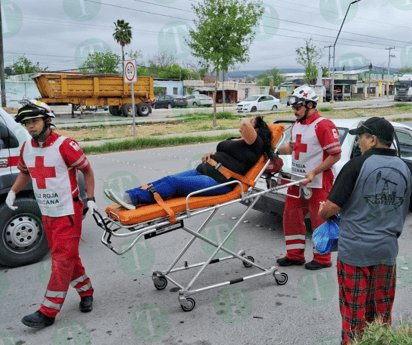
[[328, 58], [389, 69], [3, 82]]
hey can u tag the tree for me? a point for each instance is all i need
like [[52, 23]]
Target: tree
[[122, 35], [277, 75], [224, 31], [161, 60], [309, 56], [196, 70], [325, 72], [101, 62], [23, 65], [174, 72], [405, 70]]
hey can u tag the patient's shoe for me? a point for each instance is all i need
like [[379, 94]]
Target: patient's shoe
[[122, 199]]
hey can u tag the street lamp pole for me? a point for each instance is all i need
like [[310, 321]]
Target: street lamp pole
[[332, 91]]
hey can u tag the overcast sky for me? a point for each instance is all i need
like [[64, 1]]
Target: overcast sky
[[60, 33]]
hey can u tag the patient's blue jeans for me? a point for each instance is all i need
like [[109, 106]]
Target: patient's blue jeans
[[178, 185]]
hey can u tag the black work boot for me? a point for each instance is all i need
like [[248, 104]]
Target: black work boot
[[288, 262], [37, 320], [86, 304]]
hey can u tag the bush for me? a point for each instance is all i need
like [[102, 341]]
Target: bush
[[378, 333], [226, 115], [324, 109], [400, 105]]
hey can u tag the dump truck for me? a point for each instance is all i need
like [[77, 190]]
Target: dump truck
[[96, 90]]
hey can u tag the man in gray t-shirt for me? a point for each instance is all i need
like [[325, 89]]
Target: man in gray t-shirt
[[372, 194]]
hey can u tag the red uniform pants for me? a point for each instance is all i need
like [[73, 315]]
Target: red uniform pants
[[294, 223], [63, 234], [364, 294]]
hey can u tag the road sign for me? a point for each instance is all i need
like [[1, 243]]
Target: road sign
[[130, 75]]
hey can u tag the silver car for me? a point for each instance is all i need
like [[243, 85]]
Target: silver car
[[199, 100]]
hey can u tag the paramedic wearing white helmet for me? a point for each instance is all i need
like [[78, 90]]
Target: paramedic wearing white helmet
[[315, 148], [51, 161]]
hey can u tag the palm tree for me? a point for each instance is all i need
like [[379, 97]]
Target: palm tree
[[122, 35]]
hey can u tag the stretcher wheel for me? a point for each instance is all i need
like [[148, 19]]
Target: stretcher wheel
[[283, 280], [306, 192], [250, 258], [162, 285], [191, 304]]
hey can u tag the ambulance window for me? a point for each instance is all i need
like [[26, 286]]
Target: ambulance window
[[9, 139]]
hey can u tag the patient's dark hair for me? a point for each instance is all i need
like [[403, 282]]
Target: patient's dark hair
[[265, 133]]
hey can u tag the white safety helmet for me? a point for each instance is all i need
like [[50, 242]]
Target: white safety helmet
[[303, 95], [33, 109]]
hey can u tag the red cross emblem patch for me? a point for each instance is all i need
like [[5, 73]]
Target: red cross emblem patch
[[40, 172], [299, 147]]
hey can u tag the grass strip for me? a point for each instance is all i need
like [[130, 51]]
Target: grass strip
[[144, 143], [378, 333]]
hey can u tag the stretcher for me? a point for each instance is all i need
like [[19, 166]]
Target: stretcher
[[153, 220]]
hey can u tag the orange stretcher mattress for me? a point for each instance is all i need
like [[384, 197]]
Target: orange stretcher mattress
[[154, 211]]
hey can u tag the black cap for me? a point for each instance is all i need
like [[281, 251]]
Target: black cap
[[378, 126]]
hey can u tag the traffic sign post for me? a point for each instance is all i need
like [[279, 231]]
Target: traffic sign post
[[130, 77]]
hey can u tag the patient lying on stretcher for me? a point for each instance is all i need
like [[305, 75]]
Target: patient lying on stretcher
[[237, 155]]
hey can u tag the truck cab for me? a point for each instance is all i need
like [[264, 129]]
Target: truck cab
[[403, 88], [22, 236]]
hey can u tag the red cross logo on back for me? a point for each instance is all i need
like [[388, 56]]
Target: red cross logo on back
[[298, 146], [40, 172]]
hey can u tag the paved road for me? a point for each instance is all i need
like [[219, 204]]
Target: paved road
[[129, 310], [64, 115]]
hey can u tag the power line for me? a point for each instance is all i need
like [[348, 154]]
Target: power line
[[284, 20]]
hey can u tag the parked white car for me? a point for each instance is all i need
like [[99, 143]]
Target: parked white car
[[258, 103], [199, 100], [275, 202]]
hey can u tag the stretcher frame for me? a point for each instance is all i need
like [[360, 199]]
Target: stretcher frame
[[160, 226]]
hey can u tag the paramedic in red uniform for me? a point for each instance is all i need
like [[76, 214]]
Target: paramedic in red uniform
[[51, 161], [315, 148]]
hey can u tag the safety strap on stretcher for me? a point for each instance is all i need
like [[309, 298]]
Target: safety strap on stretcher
[[161, 202], [229, 173]]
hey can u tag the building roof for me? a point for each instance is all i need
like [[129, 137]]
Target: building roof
[[212, 88]]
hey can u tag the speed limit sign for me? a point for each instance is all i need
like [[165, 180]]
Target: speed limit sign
[[130, 75]]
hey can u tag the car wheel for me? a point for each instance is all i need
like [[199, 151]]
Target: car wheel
[[23, 239], [169, 106], [194, 104], [274, 107], [253, 109], [143, 109], [127, 110]]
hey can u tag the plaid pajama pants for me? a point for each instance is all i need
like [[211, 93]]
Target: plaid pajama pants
[[364, 294]]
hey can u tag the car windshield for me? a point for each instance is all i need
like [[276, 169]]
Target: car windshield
[[252, 98]]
